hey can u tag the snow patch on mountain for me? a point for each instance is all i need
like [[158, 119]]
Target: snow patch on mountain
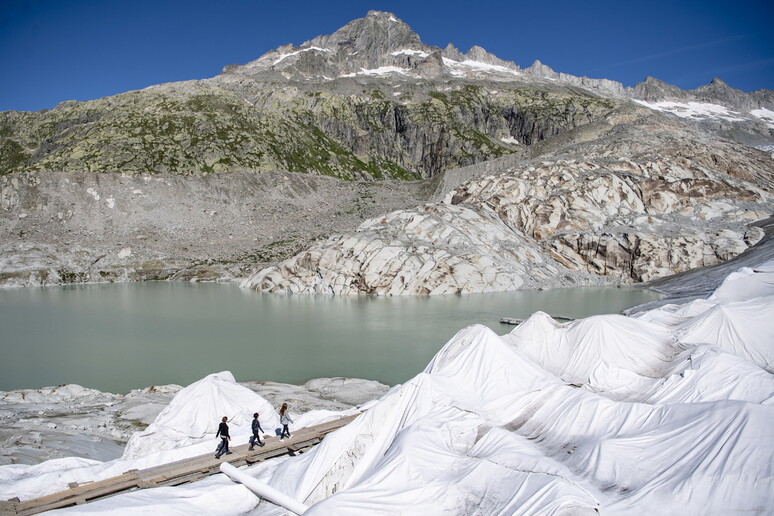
[[310, 49], [382, 70], [695, 110], [764, 114], [458, 68], [409, 52]]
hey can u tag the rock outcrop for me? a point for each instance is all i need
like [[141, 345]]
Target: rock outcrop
[[434, 249], [350, 131], [554, 223], [82, 228], [186, 180]]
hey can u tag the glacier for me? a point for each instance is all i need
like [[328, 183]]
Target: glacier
[[668, 410]]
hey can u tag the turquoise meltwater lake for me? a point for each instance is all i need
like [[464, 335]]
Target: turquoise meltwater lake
[[118, 337]]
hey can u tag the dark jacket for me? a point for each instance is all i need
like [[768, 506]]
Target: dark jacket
[[257, 426], [223, 431]]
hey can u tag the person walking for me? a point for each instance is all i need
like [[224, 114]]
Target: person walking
[[256, 437], [285, 420], [224, 439]]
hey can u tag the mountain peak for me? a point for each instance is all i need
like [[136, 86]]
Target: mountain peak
[[654, 90], [650, 80], [452, 52], [479, 54], [716, 81], [383, 15], [378, 31], [381, 45], [540, 69]]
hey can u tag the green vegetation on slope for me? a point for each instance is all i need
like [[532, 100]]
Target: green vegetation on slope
[[195, 128]]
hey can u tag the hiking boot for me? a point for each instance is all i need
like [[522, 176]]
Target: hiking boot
[[251, 448]]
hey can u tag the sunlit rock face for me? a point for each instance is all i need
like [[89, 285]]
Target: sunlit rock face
[[630, 219], [435, 249], [215, 179], [547, 224]]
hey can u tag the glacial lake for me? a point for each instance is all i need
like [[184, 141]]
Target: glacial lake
[[118, 337]]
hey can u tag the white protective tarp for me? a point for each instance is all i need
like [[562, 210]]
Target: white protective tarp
[[670, 412], [195, 413], [185, 428], [743, 328]]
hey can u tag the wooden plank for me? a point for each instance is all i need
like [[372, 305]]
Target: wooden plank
[[84, 489], [303, 444], [37, 507], [184, 479], [86, 492], [8, 508], [175, 473]]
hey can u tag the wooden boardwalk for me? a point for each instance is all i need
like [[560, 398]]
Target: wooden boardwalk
[[174, 473]]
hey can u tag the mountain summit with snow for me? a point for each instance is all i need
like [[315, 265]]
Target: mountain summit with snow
[[378, 45], [382, 45], [366, 161]]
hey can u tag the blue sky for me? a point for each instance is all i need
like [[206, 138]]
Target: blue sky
[[51, 51]]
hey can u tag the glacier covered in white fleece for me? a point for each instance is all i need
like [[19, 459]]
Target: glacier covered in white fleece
[[610, 413], [670, 411], [195, 412]]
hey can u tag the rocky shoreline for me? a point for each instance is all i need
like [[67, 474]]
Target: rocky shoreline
[[37, 425], [86, 228]]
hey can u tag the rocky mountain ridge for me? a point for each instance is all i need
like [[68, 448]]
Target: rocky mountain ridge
[[611, 213], [382, 45], [218, 178], [366, 102]]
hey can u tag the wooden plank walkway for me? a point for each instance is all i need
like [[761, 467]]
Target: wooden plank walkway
[[174, 473]]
